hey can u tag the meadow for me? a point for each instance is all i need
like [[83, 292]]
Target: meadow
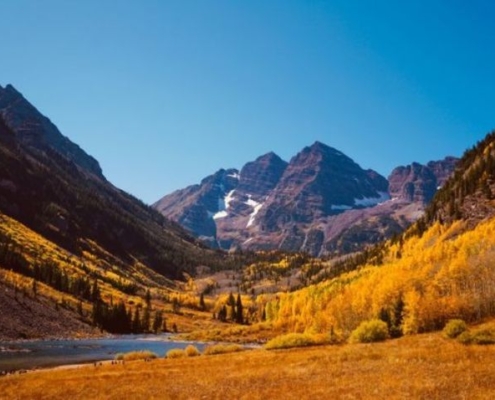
[[426, 366]]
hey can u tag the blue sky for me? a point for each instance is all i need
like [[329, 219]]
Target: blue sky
[[163, 93]]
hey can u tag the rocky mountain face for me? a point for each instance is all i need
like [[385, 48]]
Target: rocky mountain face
[[419, 183], [321, 202], [37, 133], [318, 182], [53, 187]]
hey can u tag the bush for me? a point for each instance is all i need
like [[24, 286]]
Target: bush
[[222, 349], [454, 328], [482, 336], [175, 353], [370, 331], [291, 340], [192, 351], [136, 355]]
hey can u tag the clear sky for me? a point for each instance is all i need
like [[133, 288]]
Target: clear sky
[[163, 92]]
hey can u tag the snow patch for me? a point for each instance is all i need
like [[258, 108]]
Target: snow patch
[[229, 198], [253, 214], [235, 175], [372, 201], [223, 205], [220, 214], [256, 207]]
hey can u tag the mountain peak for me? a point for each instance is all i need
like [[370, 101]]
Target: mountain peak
[[9, 88], [38, 133], [269, 156], [260, 176], [320, 146]]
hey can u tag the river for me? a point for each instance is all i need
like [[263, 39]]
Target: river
[[50, 353]]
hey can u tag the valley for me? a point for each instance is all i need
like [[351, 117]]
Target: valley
[[370, 259]]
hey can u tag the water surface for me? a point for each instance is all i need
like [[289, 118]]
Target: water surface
[[50, 353]]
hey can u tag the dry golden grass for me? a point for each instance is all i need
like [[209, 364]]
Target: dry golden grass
[[418, 367]]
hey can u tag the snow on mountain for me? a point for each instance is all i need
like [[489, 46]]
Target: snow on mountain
[[372, 201], [223, 205]]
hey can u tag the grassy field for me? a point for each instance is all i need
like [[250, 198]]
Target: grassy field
[[418, 367]]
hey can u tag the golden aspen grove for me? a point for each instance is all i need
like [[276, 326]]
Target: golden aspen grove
[[447, 273]]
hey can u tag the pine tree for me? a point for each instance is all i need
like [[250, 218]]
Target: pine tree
[[148, 298], [136, 321], [202, 305], [145, 324], [239, 314], [158, 321], [222, 314], [95, 292]]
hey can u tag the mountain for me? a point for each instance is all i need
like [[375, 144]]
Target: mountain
[[200, 208], [320, 181], [70, 239], [51, 185], [439, 269], [321, 202]]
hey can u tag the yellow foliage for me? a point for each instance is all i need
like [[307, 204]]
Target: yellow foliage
[[447, 273]]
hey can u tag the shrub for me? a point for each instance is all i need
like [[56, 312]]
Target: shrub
[[192, 351], [370, 331], [136, 355], [175, 353], [222, 349], [454, 328], [482, 336], [291, 340]]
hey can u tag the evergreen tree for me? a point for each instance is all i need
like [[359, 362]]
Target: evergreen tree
[[148, 298], [95, 292], [231, 303], [239, 315], [202, 304], [145, 324], [158, 321], [136, 321], [222, 314]]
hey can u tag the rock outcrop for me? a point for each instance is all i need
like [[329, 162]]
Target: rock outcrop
[[419, 183]]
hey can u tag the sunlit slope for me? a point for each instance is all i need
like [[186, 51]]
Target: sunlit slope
[[48, 291], [421, 284], [441, 268]]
